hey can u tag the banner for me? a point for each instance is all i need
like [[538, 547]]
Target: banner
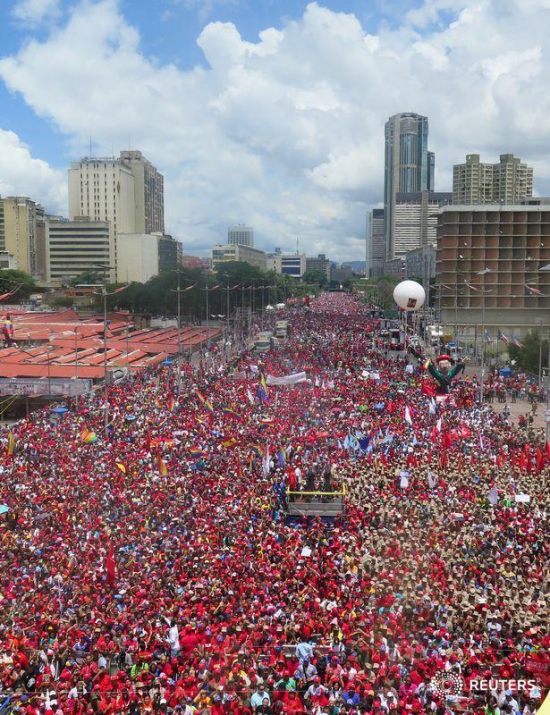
[[43, 386], [287, 379]]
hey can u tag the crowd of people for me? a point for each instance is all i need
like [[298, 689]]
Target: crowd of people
[[151, 567]]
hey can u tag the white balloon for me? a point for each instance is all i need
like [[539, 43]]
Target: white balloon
[[409, 295]]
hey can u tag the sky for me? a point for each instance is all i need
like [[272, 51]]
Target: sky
[[267, 112]]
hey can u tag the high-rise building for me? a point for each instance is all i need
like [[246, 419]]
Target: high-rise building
[[416, 215], [488, 267], [507, 182], [128, 192], [408, 167], [319, 263], [376, 243], [240, 235], [149, 193], [19, 217], [74, 247]]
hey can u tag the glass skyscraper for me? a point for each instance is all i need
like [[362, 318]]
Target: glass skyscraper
[[408, 167]]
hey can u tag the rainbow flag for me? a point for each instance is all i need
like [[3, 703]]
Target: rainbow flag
[[168, 405], [204, 401], [88, 436], [163, 468], [197, 452], [257, 450], [229, 411], [281, 457], [11, 444]]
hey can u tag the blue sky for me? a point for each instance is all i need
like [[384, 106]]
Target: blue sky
[[267, 112]]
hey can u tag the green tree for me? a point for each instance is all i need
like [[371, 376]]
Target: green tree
[[534, 349], [62, 301], [87, 278], [316, 277], [10, 279]]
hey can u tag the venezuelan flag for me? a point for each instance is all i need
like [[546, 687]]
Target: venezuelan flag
[[256, 450], [197, 452], [229, 442], [229, 411]]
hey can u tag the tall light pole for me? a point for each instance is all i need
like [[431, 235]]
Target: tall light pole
[[104, 295]]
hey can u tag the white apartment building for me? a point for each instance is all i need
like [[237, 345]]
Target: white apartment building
[[128, 192]]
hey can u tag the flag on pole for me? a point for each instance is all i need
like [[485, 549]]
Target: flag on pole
[[516, 342], [488, 337], [433, 406], [534, 291], [431, 481], [501, 336], [249, 396], [408, 418]]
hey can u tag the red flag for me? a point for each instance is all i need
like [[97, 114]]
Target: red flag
[[110, 566], [428, 388], [522, 462], [446, 439], [443, 459], [464, 431]]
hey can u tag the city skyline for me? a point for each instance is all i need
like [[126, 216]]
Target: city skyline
[[283, 131]]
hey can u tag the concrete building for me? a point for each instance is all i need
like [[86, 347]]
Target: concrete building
[[408, 166], [138, 257], [416, 216], [377, 240], [420, 264], [509, 243], [240, 235], [507, 182], [319, 263], [290, 264], [396, 268], [128, 192], [7, 261], [73, 247], [237, 252], [148, 192], [19, 216], [169, 253]]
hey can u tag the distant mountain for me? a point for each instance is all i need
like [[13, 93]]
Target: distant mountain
[[357, 266]]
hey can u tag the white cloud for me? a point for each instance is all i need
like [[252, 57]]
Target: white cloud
[[286, 133], [33, 12], [21, 175]]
